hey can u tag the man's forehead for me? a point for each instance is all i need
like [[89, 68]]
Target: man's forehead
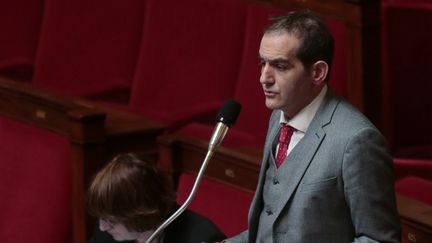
[[278, 46], [282, 34]]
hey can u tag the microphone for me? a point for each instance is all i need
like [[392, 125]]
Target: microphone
[[225, 118]]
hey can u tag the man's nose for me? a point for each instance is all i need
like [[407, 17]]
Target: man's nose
[[266, 74]]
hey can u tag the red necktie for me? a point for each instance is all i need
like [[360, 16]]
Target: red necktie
[[285, 134]]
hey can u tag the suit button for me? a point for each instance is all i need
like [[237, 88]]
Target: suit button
[[275, 181], [269, 212]]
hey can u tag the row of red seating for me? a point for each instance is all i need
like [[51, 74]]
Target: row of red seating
[[146, 54], [171, 61]]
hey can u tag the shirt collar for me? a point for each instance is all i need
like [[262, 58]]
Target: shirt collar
[[302, 119]]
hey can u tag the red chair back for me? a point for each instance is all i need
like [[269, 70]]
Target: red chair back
[[89, 48], [414, 179], [35, 189], [20, 22], [416, 188], [189, 59], [225, 205]]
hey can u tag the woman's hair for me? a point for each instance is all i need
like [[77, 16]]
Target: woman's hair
[[131, 191]]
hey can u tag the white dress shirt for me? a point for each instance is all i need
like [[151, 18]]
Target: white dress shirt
[[302, 119]]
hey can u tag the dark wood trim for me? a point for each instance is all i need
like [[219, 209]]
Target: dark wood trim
[[416, 219], [238, 168]]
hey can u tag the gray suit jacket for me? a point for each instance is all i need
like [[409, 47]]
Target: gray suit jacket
[[339, 185]]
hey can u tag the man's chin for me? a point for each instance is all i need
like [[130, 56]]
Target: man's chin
[[270, 104]]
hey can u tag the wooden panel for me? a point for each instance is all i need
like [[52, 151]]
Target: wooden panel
[[234, 167], [25, 103], [416, 218], [128, 132]]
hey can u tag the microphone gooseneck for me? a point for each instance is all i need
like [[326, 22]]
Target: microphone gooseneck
[[226, 117]]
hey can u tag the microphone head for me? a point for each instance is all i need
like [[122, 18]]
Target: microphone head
[[229, 112]]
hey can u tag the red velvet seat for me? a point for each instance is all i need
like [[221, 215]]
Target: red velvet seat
[[406, 79], [416, 188], [20, 22], [189, 59], [412, 167], [36, 192], [414, 179], [90, 48], [225, 205]]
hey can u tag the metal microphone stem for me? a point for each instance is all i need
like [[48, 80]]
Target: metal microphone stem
[[183, 207]]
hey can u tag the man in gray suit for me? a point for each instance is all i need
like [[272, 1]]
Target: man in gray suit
[[336, 181]]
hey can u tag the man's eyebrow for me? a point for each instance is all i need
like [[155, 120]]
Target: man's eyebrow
[[279, 60], [276, 60]]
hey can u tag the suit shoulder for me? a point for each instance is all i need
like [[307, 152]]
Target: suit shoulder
[[348, 118]]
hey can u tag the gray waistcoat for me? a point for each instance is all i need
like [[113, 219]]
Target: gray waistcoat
[[271, 195]]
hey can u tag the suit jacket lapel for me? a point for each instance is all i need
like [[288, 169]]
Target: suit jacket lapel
[[297, 162]]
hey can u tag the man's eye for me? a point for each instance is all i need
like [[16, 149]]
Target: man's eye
[[281, 67]]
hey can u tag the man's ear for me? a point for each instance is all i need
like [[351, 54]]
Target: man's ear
[[319, 72]]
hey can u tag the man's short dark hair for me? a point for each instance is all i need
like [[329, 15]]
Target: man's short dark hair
[[317, 42]]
